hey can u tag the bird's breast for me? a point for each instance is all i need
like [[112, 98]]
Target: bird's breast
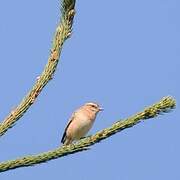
[[80, 127]]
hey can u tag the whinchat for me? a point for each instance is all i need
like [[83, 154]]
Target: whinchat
[[80, 122]]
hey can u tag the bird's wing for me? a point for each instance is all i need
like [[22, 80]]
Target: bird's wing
[[69, 122]]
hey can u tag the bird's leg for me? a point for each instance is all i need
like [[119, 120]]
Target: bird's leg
[[85, 137]]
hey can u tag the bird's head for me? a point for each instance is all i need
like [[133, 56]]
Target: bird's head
[[93, 107]]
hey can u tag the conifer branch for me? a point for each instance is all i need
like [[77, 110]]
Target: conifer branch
[[163, 106], [63, 32]]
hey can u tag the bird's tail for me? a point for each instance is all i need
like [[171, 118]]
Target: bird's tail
[[63, 138], [66, 141]]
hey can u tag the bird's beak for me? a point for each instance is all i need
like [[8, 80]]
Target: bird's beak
[[101, 109]]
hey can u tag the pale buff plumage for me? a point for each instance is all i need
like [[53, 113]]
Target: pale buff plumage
[[80, 122]]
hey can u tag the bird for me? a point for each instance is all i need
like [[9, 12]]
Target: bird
[[80, 122]]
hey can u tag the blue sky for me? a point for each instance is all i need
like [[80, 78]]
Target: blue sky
[[124, 55]]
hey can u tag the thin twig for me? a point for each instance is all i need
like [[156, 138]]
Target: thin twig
[[163, 106], [63, 32]]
